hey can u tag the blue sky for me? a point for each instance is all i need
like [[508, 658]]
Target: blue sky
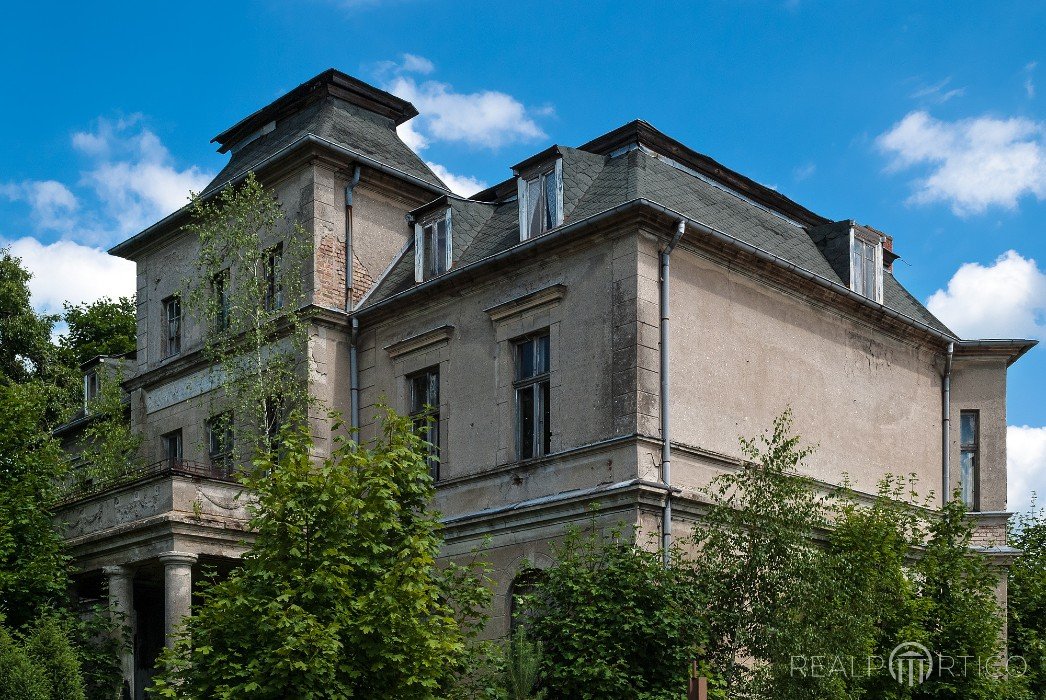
[[921, 119]]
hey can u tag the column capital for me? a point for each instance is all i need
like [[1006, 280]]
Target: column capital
[[117, 571], [184, 558]]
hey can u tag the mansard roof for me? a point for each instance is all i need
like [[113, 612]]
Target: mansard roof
[[637, 163]]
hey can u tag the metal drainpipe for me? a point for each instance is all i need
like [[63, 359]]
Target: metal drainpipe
[[354, 374], [666, 438], [946, 421]]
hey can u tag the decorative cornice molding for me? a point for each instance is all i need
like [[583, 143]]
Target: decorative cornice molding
[[420, 341], [542, 297]]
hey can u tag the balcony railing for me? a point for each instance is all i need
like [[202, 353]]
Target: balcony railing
[[77, 489]]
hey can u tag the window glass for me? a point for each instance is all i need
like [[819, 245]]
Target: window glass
[[533, 397], [172, 446], [969, 458], [172, 311], [220, 438], [221, 300], [424, 408], [551, 200], [274, 278]]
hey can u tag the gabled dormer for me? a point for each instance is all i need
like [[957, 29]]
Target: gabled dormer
[[433, 240], [539, 186], [857, 253]]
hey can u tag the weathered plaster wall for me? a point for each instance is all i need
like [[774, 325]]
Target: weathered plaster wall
[[979, 384]]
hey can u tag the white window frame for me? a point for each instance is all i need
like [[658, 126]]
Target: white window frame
[[876, 243], [523, 182], [421, 244]]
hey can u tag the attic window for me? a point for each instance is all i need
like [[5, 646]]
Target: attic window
[[433, 248], [91, 387], [866, 265], [540, 200]]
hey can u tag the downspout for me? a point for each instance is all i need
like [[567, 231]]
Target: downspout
[[354, 371], [666, 437], [946, 421]]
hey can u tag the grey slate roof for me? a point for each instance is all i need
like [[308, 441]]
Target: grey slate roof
[[335, 120], [594, 183]]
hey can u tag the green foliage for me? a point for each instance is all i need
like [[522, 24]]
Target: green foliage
[[340, 595], [249, 310], [110, 446], [48, 645], [32, 562], [523, 667], [99, 641], [25, 336], [612, 622], [1027, 598], [20, 677], [102, 327]]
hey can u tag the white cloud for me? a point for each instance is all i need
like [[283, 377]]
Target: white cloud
[[417, 64], [1006, 299], [938, 93], [133, 175], [1026, 466], [1029, 82], [973, 163], [52, 204], [67, 271], [464, 185], [804, 171]]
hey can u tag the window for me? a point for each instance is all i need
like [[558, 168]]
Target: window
[[866, 267], [969, 458], [433, 252], [220, 439], [533, 411], [172, 314], [424, 408], [220, 283], [172, 448], [90, 388], [541, 203], [274, 278]]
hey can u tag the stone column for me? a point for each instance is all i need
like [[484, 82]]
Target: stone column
[[121, 609], [177, 590]]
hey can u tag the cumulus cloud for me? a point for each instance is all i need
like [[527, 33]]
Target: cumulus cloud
[[51, 203], [464, 185], [970, 164], [1006, 299], [67, 271], [486, 118], [133, 174], [1026, 466]]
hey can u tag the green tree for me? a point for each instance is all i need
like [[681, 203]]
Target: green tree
[[48, 644], [247, 294], [110, 444], [340, 595], [1027, 597], [20, 677], [32, 561], [612, 622], [102, 327], [26, 351]]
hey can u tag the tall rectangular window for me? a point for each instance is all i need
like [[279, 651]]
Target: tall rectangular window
[[172, 316], [91, 388], [424, 408], [542, 202], [220, 439], [274, 278], [865, 268], [220, 285], [436, 243], [970, 458], [172, 447], [533, 406]]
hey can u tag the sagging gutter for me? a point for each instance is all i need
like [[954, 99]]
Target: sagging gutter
[[666, 413], [946, 421]]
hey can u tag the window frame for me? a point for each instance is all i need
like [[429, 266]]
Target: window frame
[[870, 288], [429, 262], [427, 411], [969, 484], [173, 437], [548, 188], [539, 386], [274, 297], [220, 287], [172, 337], [92, 387]]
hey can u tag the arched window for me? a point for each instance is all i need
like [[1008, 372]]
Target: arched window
[[525, 583]]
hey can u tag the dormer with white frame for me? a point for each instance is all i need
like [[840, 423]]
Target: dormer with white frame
[[433, 244], [857, 255], [539, 183]]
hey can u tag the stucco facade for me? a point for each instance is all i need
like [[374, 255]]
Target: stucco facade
[[764, 317]]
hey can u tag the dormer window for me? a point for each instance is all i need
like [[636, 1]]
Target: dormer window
[[91, 387], [541, 200], [866, 265], [433, 249]]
